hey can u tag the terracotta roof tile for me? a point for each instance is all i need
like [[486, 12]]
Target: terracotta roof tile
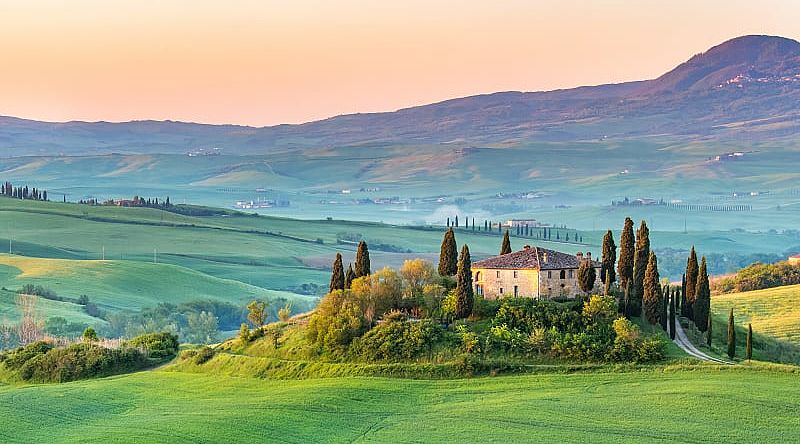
[[532, 258]]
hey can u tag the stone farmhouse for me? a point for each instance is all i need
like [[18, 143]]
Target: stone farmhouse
[[532, 272]]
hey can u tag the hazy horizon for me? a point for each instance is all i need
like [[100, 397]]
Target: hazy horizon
[[267, 63]]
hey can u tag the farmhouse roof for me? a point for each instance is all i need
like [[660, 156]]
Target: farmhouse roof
[[535, 258]]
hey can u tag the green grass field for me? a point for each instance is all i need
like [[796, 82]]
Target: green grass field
[[648, 406], [773, 312]]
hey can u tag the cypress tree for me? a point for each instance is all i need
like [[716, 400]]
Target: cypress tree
[[651, 298], [663, 317], [505, 247], [709, 334], [627, 299], [362, 260], [464, 296], [749, 350], [684, 303], [731, 336], [640, 263], [448, 257], [691, 283], [626, 252], [607, 287], [349, 276], [337, 274], [586, 276], [609, 258], [702, 304], [672, 316]]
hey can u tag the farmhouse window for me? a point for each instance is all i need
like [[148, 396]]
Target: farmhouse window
[[563, 274]]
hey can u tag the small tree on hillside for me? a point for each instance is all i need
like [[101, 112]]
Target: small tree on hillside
[[362, 260], [672, 315], [652, 291], [586, 276], [749, 348], [609, 259], [89, 335], [337, 275], [464, 295], [731, 336], [709, 333], [663, 316], [607, 284], [505, 247], [448, 256], [257, 313], [640, 263], [349, 275]]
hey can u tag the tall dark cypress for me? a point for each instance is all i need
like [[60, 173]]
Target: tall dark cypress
[[692, 271], [448, 256], [702, 304], [607, 284], [505, 247], [362, 260], [609, 258], [651, 288], [337, 274], [664, 315], [626, 253], [640, 262], [749, 350], [709, 333], [684, 302], [349, 276], [464, 295], [731, 336], [672, 315]]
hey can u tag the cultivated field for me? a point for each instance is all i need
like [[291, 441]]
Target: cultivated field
[[648, 406], [773, 312]]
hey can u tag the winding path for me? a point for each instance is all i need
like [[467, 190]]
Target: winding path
[[682, 341]]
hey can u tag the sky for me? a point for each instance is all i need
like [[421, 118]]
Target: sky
[[289, 61]]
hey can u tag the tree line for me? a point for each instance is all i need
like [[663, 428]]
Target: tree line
[[22, 192]]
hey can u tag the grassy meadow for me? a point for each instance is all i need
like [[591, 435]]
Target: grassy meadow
[[659, 405], [773, 312]]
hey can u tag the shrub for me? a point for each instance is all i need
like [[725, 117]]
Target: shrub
[[89, 335], [759, 276], [81, 361], [159, 346], [16, 359], [397, 340], [203, 355]]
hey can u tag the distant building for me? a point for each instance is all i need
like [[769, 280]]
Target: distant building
[[532, 272], [794, 260], [514, 223]]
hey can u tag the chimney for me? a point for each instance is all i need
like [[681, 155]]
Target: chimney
[[579, 256], [527, 247], [544, 257]]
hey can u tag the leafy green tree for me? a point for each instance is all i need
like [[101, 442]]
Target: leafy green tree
[[284, 313], [652, 291], [202, 327], [640, 263], [448, 257], [672, 315], [702, 304], [257, 313], [749, 347], [692, 272], [731, 336], [505, 248], [349, 276], [90, 335], [337, 274], [464, 295], [586, 276], [626, 255], [362, 260], [609, 259], [244, 333]]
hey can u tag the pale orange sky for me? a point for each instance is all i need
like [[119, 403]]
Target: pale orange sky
[[267, 62]]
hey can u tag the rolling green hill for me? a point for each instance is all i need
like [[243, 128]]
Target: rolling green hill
[[639, 406], [773, 312]]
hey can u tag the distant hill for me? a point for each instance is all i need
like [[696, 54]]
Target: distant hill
[[749, 83]]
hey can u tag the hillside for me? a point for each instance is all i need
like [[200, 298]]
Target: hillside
[[750, 82], [773, 312]]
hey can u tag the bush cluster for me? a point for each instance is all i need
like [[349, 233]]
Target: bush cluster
[[759, 276], [397, 339]]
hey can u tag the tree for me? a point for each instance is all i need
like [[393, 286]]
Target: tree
[[607, 281], [672, 315], [626, 254], [202, 327], [448, 257], [362, 260], [505, 248], [284, 313], [692, 271], [664, 314], [89, 335], [702, 304], [337, 274], [609, 259], [349, 276], [257, 313], [586, 276], [416, 273], [749, 350], [640, 263], [652, 291], [731, 336], [709, 334], [464, 296]]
